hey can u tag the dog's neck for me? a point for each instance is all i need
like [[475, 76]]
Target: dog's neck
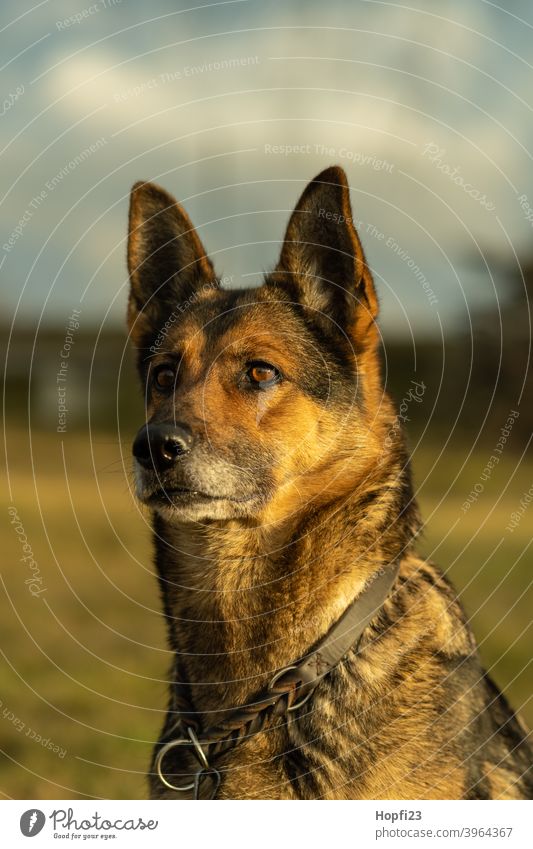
[[241, 603]]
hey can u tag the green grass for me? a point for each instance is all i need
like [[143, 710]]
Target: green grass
[[85, 662]]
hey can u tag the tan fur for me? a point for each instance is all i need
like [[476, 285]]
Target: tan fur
[[310, 497]]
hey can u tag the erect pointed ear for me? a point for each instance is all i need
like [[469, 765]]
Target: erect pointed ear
[[324, 259], [167, 262]]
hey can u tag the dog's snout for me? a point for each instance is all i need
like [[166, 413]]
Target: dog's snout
[[158, 445]]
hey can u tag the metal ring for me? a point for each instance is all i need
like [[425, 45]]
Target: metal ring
[[277, 676], [199, 751], [181, 788]]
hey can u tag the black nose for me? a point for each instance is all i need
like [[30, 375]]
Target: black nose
[[158, 445]]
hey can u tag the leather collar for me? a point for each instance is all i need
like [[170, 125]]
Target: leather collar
[[288, 691]]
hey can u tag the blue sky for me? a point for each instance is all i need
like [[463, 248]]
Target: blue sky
[[233, 107]]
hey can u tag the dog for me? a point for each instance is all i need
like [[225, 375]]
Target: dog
[[277, 476]]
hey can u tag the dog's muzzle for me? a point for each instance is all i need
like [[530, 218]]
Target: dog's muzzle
[[157, 446]]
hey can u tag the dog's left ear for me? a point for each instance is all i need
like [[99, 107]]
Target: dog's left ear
[[322, 259]]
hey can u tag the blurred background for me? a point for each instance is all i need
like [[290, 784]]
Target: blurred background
[[233, 107]]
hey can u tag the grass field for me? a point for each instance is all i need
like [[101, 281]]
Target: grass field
[[85, 661]]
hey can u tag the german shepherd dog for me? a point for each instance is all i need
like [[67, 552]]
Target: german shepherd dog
[[279, 484]]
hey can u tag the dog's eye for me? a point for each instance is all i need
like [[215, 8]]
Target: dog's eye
[[164, 377], [262, 375]]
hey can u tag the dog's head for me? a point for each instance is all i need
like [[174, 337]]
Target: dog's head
[[256, 400]]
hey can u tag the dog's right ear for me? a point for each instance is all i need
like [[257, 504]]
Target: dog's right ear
[[322, 260], [167, 262]]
